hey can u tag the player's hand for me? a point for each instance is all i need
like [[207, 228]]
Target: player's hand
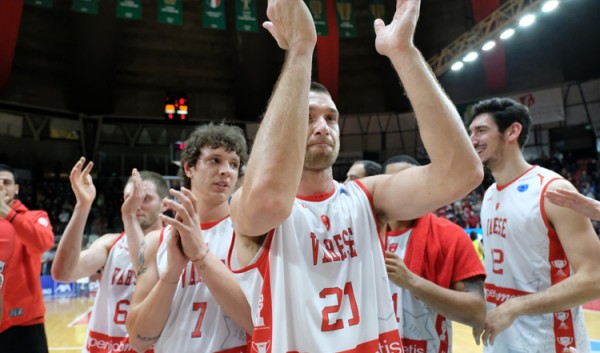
[[4, 206], [397, 271], [135, 194], [586, 206], [81, 182], [398, 35], [176, 260], [496, 321], [291, 24], [186, 222]]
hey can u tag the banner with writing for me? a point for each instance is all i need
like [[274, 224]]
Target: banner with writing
[[246, 15], [317, 10], [345, 17], [170, 12], [85, 6], [41, 3], [214, 14], [129, 9]]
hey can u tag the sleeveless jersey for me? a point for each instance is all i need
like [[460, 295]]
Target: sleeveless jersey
[[196, 322], [523, 255], [106, 329], [422, 329], [319, 282]]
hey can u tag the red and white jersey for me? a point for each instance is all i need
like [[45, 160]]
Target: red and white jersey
[[196, 322], [319, 282], [422, 329], [106, 329], [523, 255]]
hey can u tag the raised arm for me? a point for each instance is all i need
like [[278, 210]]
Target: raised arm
[[455, 168], [277, 157], [572, 199], [135, 234], [582, 248], [153, 295], [70, 263]]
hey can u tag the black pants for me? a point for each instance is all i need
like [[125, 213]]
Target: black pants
[[24, 339]]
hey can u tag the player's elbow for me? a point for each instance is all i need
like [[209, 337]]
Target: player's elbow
[[60, 274], [135, 339]]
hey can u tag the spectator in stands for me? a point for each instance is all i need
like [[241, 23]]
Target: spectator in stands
[[473, 220], [23, 316], [363, 168]]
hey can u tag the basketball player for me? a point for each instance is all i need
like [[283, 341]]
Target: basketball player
[[312, 263], [542, 260], [110, 253], [186, 299], [363, 168], [435, 276], [22, 327]]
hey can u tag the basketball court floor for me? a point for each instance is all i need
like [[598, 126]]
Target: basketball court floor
[[66, 324]]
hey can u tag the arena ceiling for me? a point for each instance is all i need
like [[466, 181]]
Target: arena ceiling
[[102, 63]]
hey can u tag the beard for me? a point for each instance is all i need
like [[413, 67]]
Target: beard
[[147, 222], [322, 159]]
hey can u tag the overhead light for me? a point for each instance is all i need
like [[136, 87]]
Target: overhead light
[[507, 34], [550, 5], [527, 20], [489, 45], [471, 56], [457, 66]]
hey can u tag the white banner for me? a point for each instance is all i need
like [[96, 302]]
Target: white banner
[[545, 106]]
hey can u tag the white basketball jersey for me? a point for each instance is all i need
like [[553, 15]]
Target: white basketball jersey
[[319, 283], [196, 322], [523, 255], [422, 329], [106, 329]]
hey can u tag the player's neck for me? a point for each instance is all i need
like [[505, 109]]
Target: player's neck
[[212, 212], [156, 226], [399, 225], [510, 167], [315, 182]]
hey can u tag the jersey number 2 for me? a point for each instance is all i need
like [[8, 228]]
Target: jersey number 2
[[337, 291], [497, 260]]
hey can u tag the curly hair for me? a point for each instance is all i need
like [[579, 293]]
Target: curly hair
[[213, 136]]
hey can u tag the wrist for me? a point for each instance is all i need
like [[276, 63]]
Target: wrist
[[199, 261], [169, 281]]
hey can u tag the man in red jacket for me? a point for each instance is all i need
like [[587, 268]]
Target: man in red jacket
[[22, 326]]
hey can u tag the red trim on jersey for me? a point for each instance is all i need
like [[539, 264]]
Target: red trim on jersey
[[263, 257], [560, 269], [318, 197], [162, 236], [208, 225], [116, 240], [397, 233], [498, 295], [240, 349], [373, 214], [501, 187]]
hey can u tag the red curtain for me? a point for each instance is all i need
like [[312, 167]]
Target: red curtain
[[10, 19], [494, 62], [328, 53]]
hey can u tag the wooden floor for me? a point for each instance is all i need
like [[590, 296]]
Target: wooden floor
[[65, 336]]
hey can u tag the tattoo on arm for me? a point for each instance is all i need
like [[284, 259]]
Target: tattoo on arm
[[140, 268], [146, 339]]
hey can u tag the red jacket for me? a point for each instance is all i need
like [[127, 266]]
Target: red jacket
[[23, 303]]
